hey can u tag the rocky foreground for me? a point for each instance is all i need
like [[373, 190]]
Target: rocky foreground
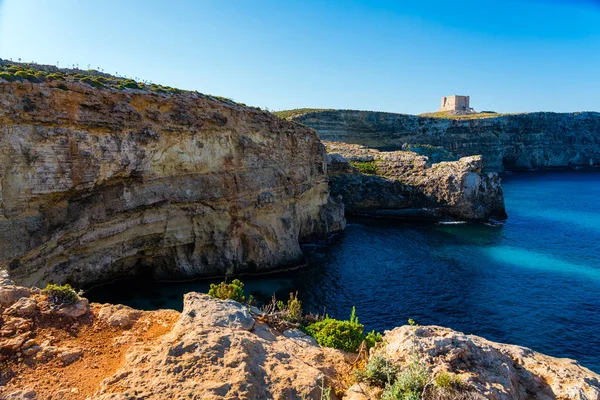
[[224, 350], [404, 184]]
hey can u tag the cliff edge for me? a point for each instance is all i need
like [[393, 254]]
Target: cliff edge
[[515, 141], [98, 184]]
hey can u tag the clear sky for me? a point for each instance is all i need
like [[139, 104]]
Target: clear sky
[[397, 56]]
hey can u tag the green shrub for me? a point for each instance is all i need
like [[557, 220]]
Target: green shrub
[[294, 308], [64, 294], [55, 77], [447, 381], [231, 291], [372, 338], [366, 167], [343, 335], [409, 384], [131, 85], [26, 75], [378, 372], [7, 76]]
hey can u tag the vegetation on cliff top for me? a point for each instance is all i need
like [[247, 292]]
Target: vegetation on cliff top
[[60, 294], [347, 335], [451, 115], [289, 114], [36, 73], [365, 167]]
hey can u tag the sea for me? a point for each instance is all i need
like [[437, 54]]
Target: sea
[[532, 280]]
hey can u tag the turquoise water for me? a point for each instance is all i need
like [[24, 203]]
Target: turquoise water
[[532, 281]]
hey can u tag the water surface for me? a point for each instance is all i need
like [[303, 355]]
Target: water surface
[[533, 281]]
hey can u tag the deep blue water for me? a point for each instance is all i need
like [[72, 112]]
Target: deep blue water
[[533, 281]]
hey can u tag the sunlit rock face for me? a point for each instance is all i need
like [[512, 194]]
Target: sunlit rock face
[[532, 140], [406, 185], [100, 184]]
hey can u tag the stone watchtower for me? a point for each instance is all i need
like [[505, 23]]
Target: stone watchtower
[[455, 103]]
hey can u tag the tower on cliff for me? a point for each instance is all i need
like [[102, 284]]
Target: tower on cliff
[[456, 103]]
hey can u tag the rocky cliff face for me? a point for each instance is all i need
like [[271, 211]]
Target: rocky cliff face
[[100, 184], [534, 140], [403, 184], [224, 350]]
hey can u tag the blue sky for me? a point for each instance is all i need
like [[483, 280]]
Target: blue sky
[[397, 56]]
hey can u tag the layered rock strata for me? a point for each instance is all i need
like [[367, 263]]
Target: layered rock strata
[[403, 184], [101, 184], [519, 141]]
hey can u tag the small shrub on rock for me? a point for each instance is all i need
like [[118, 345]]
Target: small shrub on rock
[[7, 76], [366, 167], [26, 75], [63, 294], [409, 384], [378, 372], [344, 335], [228, 291], [447, 381]]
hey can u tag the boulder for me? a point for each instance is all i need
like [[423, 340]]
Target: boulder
[[118, 315], [10, 293]]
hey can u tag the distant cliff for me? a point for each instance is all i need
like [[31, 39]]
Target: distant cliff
[[97, 184], [519, 141], [406, 185]]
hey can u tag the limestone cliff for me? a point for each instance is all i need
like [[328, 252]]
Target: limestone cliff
[[99, 184], [403, 184], [533, 140]]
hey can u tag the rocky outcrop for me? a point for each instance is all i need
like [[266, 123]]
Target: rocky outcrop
[[403, 184], [487, 370], [213, 350], [532, 140], [102, 184], [219, 349]]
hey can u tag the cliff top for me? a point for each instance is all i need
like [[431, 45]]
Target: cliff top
[[11, 71], [300, 112]]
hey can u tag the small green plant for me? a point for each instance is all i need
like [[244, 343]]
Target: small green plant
[[378, 372], [344, 335], [131, 85], [365, 167], [373, 338], [63, 294], [26, 75], [447, 381], [409, 384], [55, 77], [7, 76], [294, 308], [225, 291], [412, 322]]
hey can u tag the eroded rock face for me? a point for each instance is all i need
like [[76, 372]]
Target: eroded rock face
[[408, 185], [217, 351], [98, 184], [533, 140], [490, 370]]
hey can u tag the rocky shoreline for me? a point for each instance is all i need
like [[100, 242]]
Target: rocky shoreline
[[406, 185]]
